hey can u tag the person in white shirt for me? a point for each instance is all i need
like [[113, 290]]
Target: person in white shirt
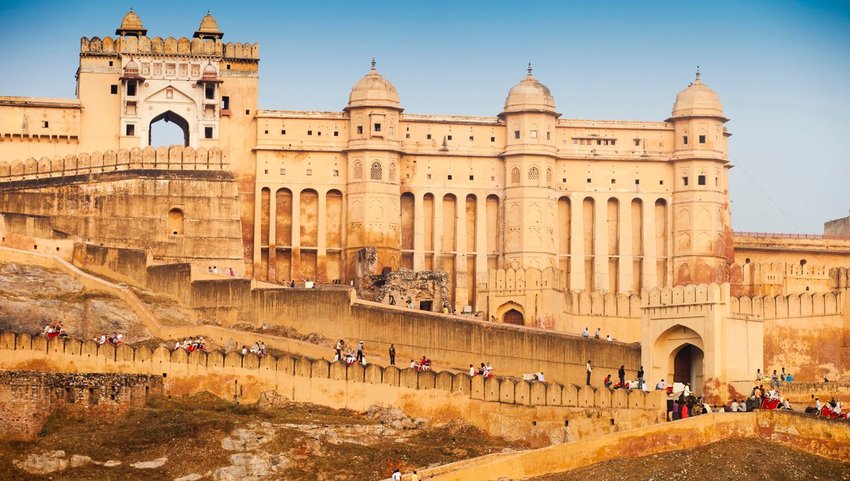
[[817, 405], [471, 370], [540, 376], [735, 406], [585, 333], [608, 338], [396, 475], [687, 389], [598, 332], [661, 385]]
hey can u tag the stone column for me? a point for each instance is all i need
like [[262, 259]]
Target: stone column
[[437, 230], [461, 276], [480, 246], [600, 244], [258, 225], [272, 235], [625, 265], [649, 277], [577, 244], [296, 235], [322, 234], [418, 232]]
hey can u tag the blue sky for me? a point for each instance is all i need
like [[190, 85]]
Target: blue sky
[[781, 69]]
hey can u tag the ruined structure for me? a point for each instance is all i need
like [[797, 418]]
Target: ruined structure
[[525, 217]]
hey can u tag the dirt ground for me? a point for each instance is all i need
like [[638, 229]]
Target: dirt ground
[[302, 441], [729, 460]]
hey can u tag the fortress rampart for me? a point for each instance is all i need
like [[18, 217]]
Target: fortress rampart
[[169, 46], [433, 394]]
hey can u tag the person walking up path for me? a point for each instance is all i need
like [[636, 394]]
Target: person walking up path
[[589, 370]]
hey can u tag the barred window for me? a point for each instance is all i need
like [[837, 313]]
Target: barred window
[[358, 170], [515, 176], [377, 172], [548, 177], [392, 172], [533, 173]]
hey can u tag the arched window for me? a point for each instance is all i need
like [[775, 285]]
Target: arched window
[[175, 222], [377, 172], [548, 177], [533, 173], [392, 172], [358, 170], [515, 176]]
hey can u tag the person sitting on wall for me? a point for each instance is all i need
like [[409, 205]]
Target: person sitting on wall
[[539, 377], [488, 370], [472, 371], [734, 405], [608, 381], [598, 333], [585, 333], [482, 369], [661, 386]]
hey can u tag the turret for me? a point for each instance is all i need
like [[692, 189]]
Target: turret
[[529, 157], [373, 156], [702, 236]]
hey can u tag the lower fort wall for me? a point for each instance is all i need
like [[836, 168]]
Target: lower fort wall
[[501, 406]]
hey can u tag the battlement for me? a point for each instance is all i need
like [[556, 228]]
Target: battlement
[[786, 307], [686, 295], [598, 303], [182, 46], [510, 280], [161, 158]]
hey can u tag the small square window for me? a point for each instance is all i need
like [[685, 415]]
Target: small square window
[[660, 182], [492, 177], [131, 130], [548, 135], [588, 180], [533, 134], [336, 134], [449, 137], [359, 129], [516, 134], [450, 177], [208, 132], [637, 142], [319, 133], [377, 127], [266, 171], [309, 171], [492, 139], [428, 136], [685, 181], [225, 102], [247, 112], [428, 176], [110, 63], [335, 173], [613, 181], [113, 89], [564, 180], [406, 136], [637, 181], [471, 138], [267, 132], [228, 66], [598, 141], [471, 177], [283, 132], [309, 132], [131, 89], [702, 139], [701, 180], [283, 171], [685, 139], [44, 124]]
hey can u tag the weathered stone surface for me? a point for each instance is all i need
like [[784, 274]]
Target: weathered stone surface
[[150, 464], [249, 467], [246, 439], [189, 477], [78, 460], [43, 463]]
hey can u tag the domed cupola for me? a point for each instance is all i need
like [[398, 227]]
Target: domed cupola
[[373, 90], [208, 28], [529, 96], [697, 100], [131, 71], [131, 24]]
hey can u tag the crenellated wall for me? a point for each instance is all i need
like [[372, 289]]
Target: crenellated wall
[[498, 405], [772, 278], [162, 158], [170, 46]]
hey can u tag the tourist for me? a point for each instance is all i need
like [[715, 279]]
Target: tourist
[[589, 370], [687, 389], [232, 274], [392, 300], [414, 476], [607, 382], [413, 365], [774, 380], [734, 405], [360, 352], [292, 283], [396, 475], [742, 407], [621, 373], [244, 350], [585, 333], [482, 369], [598, 332], [640, 378], [409, 303], [609, 338], [472, 371], [539, 376], [661, 386], [339, 345], [758, 375], [676, 410]]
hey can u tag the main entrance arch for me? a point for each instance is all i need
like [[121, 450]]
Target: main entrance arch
[[513, 316], [678, 356], [170, 117], [511, 313], [687, 366]]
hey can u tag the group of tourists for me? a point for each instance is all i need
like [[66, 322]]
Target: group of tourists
[[622, 383], [216, 271], [258, 348], [116, 339], [397, 475], [192, 344], [598, 335], [485, 370], [54, 330], [534, 377], [831, 409], [347, 355], [423, 364]]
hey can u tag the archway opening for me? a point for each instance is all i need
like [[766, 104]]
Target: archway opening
[[168, 129], [688, 366], [175, 222], [513, 316]]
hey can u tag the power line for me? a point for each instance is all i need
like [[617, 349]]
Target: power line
[[775, 204]]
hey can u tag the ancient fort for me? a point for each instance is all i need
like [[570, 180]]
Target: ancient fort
[[497, 238]]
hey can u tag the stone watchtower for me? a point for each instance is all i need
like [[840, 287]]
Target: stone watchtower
[[702, 234], [373, 161]]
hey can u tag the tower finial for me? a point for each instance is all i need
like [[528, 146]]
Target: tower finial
[[373, 63], [697, 72], [529, 69]]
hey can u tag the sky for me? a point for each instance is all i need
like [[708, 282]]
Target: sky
[[781, 69]]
